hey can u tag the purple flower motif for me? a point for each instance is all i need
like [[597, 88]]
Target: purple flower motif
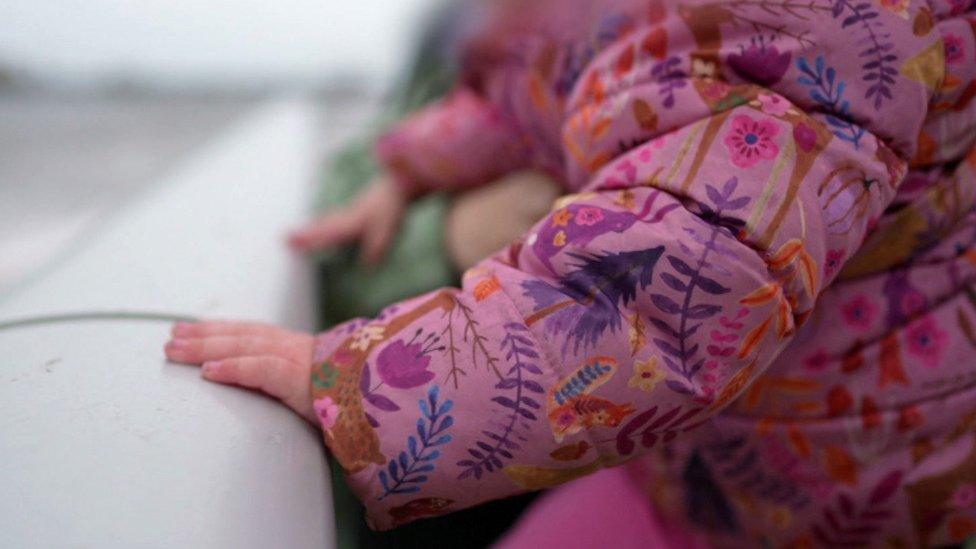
[[760, 63], [404, 365]]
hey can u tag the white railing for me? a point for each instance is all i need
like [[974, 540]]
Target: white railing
[[102, 443]]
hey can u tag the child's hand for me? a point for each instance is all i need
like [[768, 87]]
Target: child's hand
[[257, 356], [372, 219]]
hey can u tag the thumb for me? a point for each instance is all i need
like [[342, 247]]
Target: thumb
[[378, 237], [326, 232]]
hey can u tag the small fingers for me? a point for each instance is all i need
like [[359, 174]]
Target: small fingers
[[294, 347], [223, 328], [327, 231], [377, 240], [273, 375]]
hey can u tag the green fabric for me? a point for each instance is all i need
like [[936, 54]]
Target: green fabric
[[417, 261]]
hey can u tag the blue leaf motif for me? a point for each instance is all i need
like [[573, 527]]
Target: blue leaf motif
[[404, 475]]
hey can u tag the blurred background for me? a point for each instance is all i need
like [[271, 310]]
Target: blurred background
[[104, 102], [100, 98]]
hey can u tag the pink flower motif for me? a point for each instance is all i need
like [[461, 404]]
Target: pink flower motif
[[773, 104], [327, 411], [965, 496], [589, 216], [805, 137], [833, 262], [750, 141], [859, 312], [955, 48], [715, 90], [926, 341], [817, 362]]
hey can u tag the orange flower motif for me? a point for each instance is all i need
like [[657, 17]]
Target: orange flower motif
[[559, 239], [647, 374], [562, 218], [484, 289]]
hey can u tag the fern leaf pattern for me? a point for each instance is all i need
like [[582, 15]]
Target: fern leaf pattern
[[520, 409], [878, 51], [410, 470], [680, 354]]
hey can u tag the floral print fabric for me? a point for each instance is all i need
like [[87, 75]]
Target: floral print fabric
[[740, 297]]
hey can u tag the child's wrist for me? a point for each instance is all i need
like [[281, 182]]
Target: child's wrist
[[404, 185]]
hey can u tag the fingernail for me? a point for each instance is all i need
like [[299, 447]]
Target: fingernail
[[175, 347], [181, 328], [210, 368]]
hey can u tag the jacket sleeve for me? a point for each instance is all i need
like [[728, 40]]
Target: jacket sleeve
[[645, 304], [459, 141]]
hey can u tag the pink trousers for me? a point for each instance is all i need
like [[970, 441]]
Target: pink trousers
[[606, 509]]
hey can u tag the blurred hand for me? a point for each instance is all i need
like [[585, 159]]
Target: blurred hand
[[372, 219], [272, 360]]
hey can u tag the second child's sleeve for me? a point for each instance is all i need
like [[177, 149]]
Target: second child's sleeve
[[460, 141], [648, 302]]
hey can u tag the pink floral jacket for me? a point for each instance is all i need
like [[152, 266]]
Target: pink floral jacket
[[760, 293]]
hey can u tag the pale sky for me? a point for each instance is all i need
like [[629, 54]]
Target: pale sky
[[200, 38]]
